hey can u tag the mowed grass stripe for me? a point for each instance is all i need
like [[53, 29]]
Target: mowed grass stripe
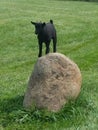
[[76, 24]]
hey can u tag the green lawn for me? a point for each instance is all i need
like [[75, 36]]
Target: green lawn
[[77, 30]]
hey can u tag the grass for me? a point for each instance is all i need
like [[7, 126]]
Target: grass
[[77, 29]]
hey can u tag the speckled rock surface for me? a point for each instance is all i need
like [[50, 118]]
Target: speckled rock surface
[[54, 81]]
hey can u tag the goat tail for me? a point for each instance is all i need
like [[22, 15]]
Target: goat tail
[[51, 21]]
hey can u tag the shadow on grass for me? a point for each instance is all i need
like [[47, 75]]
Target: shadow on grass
[[9, 109], [12, 111], [9, 105]]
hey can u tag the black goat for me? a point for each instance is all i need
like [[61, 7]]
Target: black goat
[[45, 32]]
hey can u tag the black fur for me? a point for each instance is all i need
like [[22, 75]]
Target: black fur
[[45, 32]]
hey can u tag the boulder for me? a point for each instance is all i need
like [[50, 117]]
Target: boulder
[[54, 81]]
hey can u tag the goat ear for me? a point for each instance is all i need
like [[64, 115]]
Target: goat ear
[[33, 23], [43, 24], [51, 21]]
